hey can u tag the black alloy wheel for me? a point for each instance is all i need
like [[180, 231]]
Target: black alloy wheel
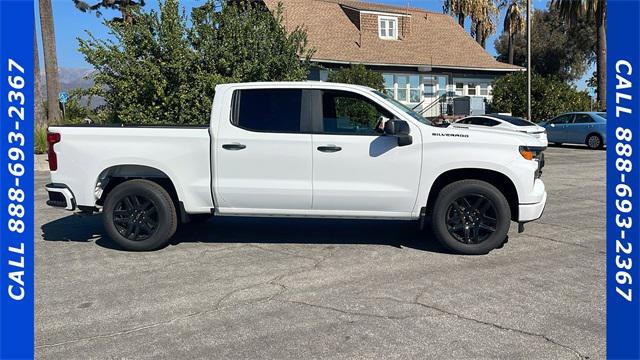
[[135, 217], [471, 219], [139, 215]]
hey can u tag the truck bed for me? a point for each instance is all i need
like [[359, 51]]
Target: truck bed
[[88, 154]]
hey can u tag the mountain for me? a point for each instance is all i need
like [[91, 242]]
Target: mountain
[[73, 78]]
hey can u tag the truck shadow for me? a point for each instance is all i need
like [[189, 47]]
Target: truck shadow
[[87, 228]]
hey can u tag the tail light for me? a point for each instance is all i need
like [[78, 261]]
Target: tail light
[[52, 138]]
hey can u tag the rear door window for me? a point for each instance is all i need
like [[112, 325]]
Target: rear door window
[[583, 119], [267, 110], [562, 119]]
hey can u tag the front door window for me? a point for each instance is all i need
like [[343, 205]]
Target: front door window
[[349, 113]]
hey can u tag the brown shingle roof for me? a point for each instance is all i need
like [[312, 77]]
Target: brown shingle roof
[[341, 34]]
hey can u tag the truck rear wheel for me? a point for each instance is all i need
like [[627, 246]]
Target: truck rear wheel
[[139, 215], [471, 217]]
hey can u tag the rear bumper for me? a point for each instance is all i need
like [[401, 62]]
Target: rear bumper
[[60, 196]]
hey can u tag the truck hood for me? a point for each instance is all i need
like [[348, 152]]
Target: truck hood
[[485, 135]]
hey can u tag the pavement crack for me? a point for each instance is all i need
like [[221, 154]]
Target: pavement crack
[[500, 327], [566, 243], [347, 312], [281, 252], [218, 306], [119, 333]]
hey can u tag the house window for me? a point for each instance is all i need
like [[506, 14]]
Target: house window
[[414, 88], [402, 82], [388, 27], [389, 85], [471, 88], [474, 87], [459, 89], [484, 89], [407, 88], [434, 85]]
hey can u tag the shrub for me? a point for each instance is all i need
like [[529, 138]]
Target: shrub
[[358, 74], [163, 67], [40, 139], [549, 96]]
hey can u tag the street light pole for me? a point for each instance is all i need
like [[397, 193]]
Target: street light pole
[[529, 60]]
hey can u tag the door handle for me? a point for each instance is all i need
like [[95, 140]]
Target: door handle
[[329, 148], [234, 146]]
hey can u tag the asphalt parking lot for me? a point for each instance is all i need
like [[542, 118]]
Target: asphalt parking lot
[[301, 289]]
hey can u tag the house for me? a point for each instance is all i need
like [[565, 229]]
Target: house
[[422, 55]]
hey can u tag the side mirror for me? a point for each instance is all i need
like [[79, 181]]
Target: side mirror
[[553, 125], [396, 127], [399, 129]]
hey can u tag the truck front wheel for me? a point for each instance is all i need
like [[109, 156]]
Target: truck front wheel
[[471, 217], [139, 215]]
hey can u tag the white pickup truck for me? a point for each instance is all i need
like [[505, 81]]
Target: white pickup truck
[[300, 149]]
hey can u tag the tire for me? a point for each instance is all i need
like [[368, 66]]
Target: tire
[[472, 232], [594, 141], [139, 215]]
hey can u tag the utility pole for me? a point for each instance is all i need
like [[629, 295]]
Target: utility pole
[[529, 60]]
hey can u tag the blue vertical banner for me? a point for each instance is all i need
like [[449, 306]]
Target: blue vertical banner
[[623, 182], [16, 180]]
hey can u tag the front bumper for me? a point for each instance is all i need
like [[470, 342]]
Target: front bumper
[[60, 196], [530, 212]]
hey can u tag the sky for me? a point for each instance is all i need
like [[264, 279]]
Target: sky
[[70, 24]]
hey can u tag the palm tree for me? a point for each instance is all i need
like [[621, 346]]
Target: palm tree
[[124, 6], [484, 15], [38, 113], [514, 23], [50, 60], [459, 8], [596, 11]]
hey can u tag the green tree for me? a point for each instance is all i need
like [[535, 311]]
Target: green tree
[[572, 11], [556, 49], [244, 41], [458, 8], [126, 8], [549, 97], [484, 17], [514, 23], [163, 69], [358, 74], [355, 109]]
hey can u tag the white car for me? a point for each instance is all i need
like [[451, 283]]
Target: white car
[[505, 122], [299, 149]]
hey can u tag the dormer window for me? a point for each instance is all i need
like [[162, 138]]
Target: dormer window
[[388, 27]]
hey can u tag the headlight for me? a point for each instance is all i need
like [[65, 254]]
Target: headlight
[[531, 152]]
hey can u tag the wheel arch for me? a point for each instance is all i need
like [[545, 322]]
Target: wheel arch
[[115, 175], [501, 181]]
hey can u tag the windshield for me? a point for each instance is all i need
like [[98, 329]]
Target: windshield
[[404, 108], [603, 115]]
